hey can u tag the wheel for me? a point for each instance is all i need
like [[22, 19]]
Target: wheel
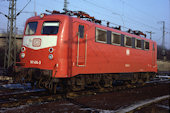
[[51, 86], [40, 83], [55, 88]]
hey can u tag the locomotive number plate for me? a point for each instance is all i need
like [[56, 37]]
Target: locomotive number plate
[[35, 62]]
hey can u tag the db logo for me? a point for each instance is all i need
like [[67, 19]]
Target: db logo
[[36, 42]]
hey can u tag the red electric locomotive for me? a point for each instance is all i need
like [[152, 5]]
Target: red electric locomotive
[[61, 50]]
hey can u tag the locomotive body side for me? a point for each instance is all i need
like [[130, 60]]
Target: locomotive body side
[[104, 57]]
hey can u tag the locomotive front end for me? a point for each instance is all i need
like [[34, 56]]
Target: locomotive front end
[[38, 51], [37, 48]]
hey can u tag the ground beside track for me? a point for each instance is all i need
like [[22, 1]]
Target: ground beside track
[[158, 107], [100, 102]]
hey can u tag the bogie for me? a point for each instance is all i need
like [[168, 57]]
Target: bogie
[[91, 81]]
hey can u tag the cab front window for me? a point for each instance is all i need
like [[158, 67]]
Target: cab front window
[[31, 28], [50, 28]]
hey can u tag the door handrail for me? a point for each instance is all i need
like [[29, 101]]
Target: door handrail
[[85, 51]]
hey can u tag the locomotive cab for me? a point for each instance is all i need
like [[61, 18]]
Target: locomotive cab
[[43, 49]]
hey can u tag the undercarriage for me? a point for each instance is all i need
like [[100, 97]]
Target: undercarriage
[[43, 79]]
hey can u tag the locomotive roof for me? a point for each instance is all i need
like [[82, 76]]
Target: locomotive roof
[[91, 20]]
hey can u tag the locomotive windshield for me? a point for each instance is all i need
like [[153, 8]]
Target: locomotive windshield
[[31, 28], [50, 27]]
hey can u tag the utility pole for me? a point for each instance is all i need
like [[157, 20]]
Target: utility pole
[[10, 49], [163, 42], [150, 32], [65, 5], [34, 6]]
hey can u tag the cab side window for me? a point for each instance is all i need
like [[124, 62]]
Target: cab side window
[[146, 45], [81, 31]]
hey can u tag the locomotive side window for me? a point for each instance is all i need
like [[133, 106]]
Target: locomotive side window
[[128, 41], [122, 40], [81, 31], [50, 27], [116, 38], [31, 28], [146, 45], [153, 47], [138, 44], [101, 35]]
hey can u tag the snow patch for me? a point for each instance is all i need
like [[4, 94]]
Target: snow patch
[[142, 103], [97, 110], [17, 86], [69, 104], [163, 106], [3, 110]]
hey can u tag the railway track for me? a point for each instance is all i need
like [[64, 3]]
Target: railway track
[[28, 98], [20, 95], [118, 107], [143, 104]]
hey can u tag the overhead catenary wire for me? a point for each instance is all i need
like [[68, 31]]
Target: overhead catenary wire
[[150, 27], [139, 10], [23, 8], [143, 12], [110, 10], [141, 23]]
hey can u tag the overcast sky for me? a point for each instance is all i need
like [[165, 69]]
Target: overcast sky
[[143, 15]]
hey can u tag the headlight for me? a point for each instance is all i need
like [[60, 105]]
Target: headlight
[[23, 49], [22, 55], [50, 56], [51, 50]]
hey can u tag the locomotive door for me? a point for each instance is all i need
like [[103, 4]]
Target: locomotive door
[[153, 55], [81, 45]]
